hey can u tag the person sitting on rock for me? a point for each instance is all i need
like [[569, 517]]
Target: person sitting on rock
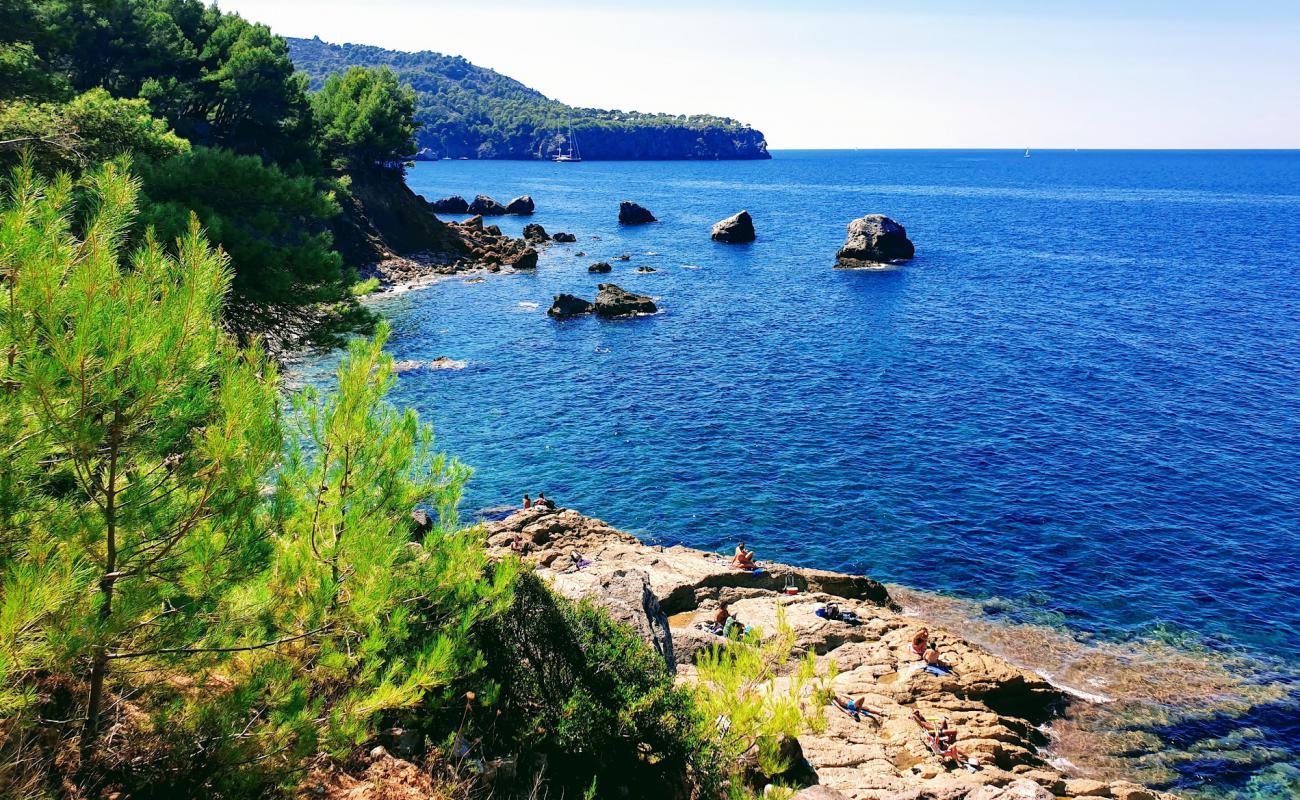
[[856, 708], [528, 502], [744, 559], [542, 502], [920, 641], [723, 614], [933, 660]]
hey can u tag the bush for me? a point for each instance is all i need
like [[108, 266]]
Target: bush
[[274, 225], [591, 698]]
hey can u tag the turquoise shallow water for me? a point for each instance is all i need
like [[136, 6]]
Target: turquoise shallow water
[[1078, 405]]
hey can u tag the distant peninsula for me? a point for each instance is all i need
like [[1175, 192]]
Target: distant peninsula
[[467, 111]]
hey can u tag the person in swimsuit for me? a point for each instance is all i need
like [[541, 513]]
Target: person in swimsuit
[[932, 657], [920, 641], [942, 740], [543, 502], [528, 502], [855, 708], [744, 559]]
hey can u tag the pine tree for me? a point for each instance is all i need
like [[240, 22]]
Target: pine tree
[[135, 439], [385, 620]]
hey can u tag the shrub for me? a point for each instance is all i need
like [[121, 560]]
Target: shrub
[[590, 697]]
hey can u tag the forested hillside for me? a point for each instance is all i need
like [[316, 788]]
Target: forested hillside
[[466, 111]]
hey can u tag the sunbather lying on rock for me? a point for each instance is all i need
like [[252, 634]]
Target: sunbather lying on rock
[[856, 708], [942, 741]]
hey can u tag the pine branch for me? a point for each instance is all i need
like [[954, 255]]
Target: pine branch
[[241, 649]]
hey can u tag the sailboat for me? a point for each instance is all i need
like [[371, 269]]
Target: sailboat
[[571, 155], [1026, 152]]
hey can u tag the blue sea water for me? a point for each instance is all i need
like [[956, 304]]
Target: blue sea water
[[1082, 397]]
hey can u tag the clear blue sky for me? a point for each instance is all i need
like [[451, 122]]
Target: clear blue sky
[[826, 73]]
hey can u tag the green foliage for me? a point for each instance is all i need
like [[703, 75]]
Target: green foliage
[[364, 117], [91, 128], [156, 76], [141, 562], [274, 226], [466, 110], [363, 288], [215, 77], [136, 438], [750, 713], [388, 620], [590, 696]]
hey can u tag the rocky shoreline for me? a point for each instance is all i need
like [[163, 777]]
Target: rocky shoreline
[[667, 593]]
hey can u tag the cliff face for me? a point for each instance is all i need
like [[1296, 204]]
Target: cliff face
[[996, 707], [466, 111]]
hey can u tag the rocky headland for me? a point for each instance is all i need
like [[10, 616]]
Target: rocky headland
[[668, 593]]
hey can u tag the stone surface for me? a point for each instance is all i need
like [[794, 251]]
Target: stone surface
[[613, 301], [567, 305], [486, 206], [874, 240], [629, 598], [447, 362], [992, 704], [520, 205], [630, 213], [735, 229], [535, 233], [566, 238], [449, 205], [600, 267]]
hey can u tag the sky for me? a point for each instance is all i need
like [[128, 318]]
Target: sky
[[837, 74]]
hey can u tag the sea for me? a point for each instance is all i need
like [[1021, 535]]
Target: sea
[[1070, 425]]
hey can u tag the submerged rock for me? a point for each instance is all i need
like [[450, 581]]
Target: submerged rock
[[622, 257], [536, 233], [567, 305], [646, 270], [450, 205], [874, 239], [561, 236], [486, 206], [630, 213], [600, 266], [447, 362], [520, 205], [614, 301], [735, 229]]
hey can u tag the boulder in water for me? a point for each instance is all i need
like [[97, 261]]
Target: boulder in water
[[450, 205], [600, 266], [535, 233], [630, 213], [567, 305], [525, 260], [873, 240], [735, 229], [614, 301], [486, 206], [561, 236], [520, 205]]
